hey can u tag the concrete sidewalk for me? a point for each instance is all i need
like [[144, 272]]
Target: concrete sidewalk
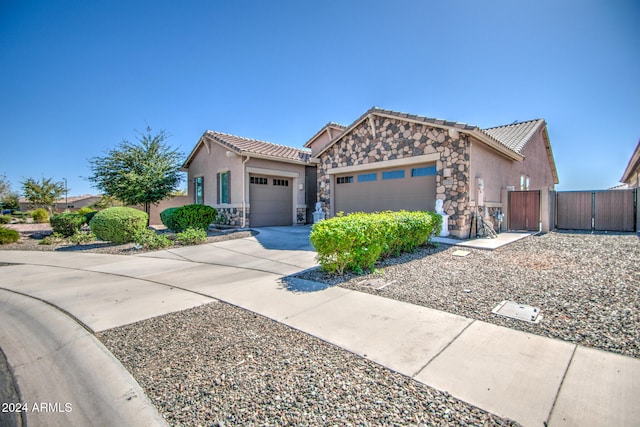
[[528, 378]]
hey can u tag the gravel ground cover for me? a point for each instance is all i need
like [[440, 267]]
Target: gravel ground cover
[[32, 234], [587, 285], [219, 365]]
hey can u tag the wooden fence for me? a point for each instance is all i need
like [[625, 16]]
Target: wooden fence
[[608, 210]]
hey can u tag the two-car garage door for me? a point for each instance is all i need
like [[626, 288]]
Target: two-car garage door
[[410, 188], [271, 200]]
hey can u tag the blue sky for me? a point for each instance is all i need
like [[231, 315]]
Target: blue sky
[[77, 77]]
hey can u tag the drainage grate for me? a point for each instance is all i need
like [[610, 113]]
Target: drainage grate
[[517, 311]]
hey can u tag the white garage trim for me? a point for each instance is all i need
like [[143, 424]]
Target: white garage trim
[[425, 158], [272, 172]]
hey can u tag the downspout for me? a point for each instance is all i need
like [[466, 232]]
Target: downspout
[[244, 192]]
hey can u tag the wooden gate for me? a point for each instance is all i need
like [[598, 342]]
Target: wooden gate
[[610, 210], [524, 210]]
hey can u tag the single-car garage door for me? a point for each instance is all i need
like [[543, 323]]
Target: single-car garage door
[[270, 201], [409, 188]]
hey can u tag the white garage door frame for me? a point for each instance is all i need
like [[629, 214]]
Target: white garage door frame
[[384, 164], [295, 177]]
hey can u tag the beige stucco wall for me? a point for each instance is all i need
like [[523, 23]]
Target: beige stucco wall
[[207, 163], [499, 172]]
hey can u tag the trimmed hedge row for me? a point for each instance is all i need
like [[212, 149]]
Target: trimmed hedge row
[[355, 242], [189, 216]]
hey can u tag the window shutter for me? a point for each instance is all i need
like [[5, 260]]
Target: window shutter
[[218, 188]]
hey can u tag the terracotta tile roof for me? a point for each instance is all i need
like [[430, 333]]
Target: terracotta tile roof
[[516, 135], [254, 146], [428, 120], [632, 166]]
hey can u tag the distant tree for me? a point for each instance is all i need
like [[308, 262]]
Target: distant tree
[[8, 198], [106, 202], [142, 173], [43, 193]]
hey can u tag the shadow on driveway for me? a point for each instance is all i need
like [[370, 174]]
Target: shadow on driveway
[[288, 238]]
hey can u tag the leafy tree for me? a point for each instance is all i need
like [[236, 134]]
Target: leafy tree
[[139, 173], [43, 193], [8, 198]]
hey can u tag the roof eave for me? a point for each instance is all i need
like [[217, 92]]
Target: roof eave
[[633, 164], [275, 158]]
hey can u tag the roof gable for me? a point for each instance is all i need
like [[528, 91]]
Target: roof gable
[[516, 135], [251, 147]]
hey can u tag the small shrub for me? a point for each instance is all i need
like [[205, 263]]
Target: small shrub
[[20, 215], [8, 235], [194, 216], [67, 224], [40, 215], [118, 224], [87, 212], [355, 242], [80, 237], [167, 218], [5, 219], [191, 236], [52, 239], [149, 239]]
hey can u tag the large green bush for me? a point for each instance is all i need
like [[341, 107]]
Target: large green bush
[[67, 224], [87, 212], [166, 216], [8, 235], [193, 216], [5, 219], [118, 224], [355, 242], [40, 215]]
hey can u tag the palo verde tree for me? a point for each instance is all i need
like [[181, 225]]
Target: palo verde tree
[[141, 173], [8, 198], [43, 193]]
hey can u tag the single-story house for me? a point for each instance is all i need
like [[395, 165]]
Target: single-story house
[[73, 203], [384, 160], [251, 182], [631, 175]]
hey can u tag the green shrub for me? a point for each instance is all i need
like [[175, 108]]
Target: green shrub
[[355, 242], [5, 219], [191, 236], [87, 212], [40, 215], [149, 239], [193, 216], [166, 216], [81, 237], [118, 224], [52, 239], [8, 235], [20, 215], [67, 224]]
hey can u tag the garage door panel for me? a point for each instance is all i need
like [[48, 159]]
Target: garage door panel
[[408, 193], [270, 204]]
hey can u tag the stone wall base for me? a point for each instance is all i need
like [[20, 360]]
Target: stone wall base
[[233, 216]]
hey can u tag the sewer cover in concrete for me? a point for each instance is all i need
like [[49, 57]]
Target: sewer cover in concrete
[[517, 311]]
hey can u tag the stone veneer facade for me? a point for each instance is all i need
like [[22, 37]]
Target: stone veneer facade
[[397, 139], [232, 216]]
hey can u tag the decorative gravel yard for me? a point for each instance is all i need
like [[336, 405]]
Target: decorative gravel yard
[[587, 285]]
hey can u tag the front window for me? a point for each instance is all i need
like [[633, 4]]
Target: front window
[[224, 188], [198, 184]]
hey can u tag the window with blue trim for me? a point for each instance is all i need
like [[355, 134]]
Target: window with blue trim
[[393, 174], [425, 171], [367, 177]]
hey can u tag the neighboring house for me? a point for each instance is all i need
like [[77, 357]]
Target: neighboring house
[[631, 175], [250, 182], [384, 160], [73, 203]]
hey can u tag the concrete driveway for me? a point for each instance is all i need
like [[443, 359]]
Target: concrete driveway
[[51, 303]]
